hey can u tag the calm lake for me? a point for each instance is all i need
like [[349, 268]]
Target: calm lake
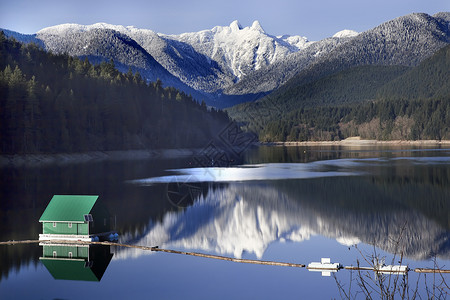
[[287, 204]]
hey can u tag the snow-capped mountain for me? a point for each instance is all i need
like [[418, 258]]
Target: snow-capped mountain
[[180, 59], [272, 76], [208, 61], [404, 41], [100, 42], [241, 50]]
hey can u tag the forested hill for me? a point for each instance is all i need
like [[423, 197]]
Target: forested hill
[[57, 103], [374, 102]]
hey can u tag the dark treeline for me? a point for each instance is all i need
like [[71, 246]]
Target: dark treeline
[[57, 103], [380, 120]]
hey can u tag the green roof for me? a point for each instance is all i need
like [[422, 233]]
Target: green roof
[[69, 208]]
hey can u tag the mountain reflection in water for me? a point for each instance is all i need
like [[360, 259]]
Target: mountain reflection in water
[[398, 199]]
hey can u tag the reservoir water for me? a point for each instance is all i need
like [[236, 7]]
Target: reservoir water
[[288, 204]]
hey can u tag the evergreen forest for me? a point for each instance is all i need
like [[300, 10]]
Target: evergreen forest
[[58, 103]]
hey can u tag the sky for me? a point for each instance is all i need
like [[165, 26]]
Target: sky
[[314, 19]]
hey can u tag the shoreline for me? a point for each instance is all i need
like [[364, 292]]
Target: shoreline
[[359, 142], [43, 159]]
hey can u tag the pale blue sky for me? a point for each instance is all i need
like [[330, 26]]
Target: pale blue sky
[[315, 19]]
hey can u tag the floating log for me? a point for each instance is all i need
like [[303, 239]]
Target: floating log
[[359, 268], [239, 260], [157, 249], [425, 270], [13, 242], [382, 269]]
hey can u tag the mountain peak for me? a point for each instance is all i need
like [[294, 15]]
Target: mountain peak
[[235, 26], [257, 26], [345, 34]]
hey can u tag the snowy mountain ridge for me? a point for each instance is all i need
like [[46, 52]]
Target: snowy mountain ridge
[[405, 41], [241, 49], [73, 27], [231, 64], [208, 61]]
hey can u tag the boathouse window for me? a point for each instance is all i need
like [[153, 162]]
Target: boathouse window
[[70, 224], [88, 218], [54, 224]]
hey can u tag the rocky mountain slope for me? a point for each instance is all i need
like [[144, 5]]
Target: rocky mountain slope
[[100, 42], [272, 76]]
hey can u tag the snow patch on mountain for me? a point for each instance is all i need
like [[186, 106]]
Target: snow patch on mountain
[[68, 28], [345, 34], [297, 41]]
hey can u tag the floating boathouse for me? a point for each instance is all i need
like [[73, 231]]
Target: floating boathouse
[[75, 218]]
